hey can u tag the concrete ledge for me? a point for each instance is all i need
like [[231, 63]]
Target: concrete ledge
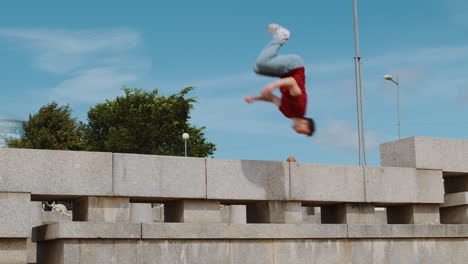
[[455, 199], [407, 231], [247, 180], [159, 176], [403, 185], [56, 172], [86, 230], [449, 155], [241, 231], [321, 182]]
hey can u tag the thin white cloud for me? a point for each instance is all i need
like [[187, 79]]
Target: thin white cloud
[[342, 135], [94, 64], [93, 85], [61, 51]]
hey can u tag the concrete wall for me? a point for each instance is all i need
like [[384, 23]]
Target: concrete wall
[[233, 211]]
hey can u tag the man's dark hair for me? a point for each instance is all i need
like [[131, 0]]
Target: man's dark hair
[[311, 125]]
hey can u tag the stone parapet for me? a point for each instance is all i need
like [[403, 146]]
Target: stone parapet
[[448, 155]]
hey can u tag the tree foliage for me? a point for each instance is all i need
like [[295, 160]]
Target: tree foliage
[[51, 128], [146, 123]]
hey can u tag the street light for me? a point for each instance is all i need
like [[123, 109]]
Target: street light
[[185, 137], [390, 78]]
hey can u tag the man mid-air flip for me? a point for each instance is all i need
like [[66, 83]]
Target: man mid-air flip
[[290, 70]]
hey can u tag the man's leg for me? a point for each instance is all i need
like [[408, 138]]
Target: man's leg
[[269, 63]]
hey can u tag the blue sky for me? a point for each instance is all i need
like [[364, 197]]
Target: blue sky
[[81, 53]]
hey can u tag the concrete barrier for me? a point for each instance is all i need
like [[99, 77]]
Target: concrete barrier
[[449, 155]]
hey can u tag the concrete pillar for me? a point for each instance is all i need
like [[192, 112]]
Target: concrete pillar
[[193, 211], [454, 215], [349, 213], [455, 184], [141, 213], [158, 212], [310, 215], [413, 214], [15, 226], [275, 212], [237, 214], [102, 209]]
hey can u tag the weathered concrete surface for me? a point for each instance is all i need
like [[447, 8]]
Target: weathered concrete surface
[[455, 199], [275, 212], [55, 172], [408, 231], [159, 176], [193, 211], [242, 231], [101, 209], [412, 251], [449, 155], [247, 180], [454, 215], [403, 185], [13, 251], [413, 214], [15, 215], [285, 251], [320, 182], [71, 230]]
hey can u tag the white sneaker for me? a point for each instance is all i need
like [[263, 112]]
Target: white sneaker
[[278, 32]]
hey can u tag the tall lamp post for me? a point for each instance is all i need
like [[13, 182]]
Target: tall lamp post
[[358, 76], [390, 78], [185, 137]]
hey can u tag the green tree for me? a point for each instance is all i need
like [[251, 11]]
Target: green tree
[[144, 122], [51, 128]]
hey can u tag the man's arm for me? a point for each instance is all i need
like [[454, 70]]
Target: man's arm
[[289, 82]]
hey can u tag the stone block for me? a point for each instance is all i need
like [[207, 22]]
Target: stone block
[[274, 212], [349, 214], [455, 199], [241, 231], [86, 230], [193, 211], [320, 182], [413, 214], [247, 180], [188, 251], [389, 185], [313, 252], [15, 215], [456, 184], [13, 250], [449, 155], [54, 172], [454, 215], [237, 214], [159, 176], [141, 213], [102, 209]]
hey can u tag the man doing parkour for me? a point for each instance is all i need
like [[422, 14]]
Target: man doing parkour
[[290, 70]]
